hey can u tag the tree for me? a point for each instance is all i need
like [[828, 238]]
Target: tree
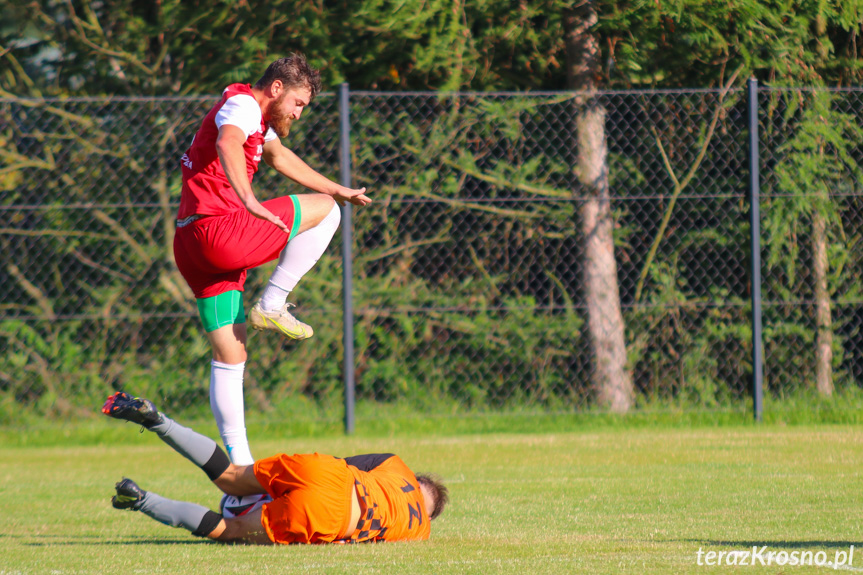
[[152, 48], [817, 161], [794, 44], [612, 380]]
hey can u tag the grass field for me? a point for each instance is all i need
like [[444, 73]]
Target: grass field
[[594, 501]]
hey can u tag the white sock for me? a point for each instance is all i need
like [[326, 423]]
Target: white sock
[[298, 257], [226, 401]]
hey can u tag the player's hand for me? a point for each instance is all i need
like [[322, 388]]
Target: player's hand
[[349, 195], [277, 221], [263, 213]]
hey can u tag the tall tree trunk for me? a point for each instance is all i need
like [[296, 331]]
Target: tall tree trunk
[[611, 378], [823, 319], [824, 322]]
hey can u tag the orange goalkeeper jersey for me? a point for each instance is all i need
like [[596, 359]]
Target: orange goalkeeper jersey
[[391, 499], [312, 499]]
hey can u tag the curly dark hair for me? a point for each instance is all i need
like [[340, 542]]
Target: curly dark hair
[[294, 72], [436, 486]]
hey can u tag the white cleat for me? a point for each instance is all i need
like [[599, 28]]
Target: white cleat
[[280, 321]]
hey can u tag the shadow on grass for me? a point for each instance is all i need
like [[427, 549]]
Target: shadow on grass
[[55, 540], [778, 544], [102, 542]]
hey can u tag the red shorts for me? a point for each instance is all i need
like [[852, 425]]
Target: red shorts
[[214, 252], [311, 498]]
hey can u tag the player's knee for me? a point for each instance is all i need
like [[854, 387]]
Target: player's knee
[[332, 218], [335, 214], [321, 209], [230, 356]]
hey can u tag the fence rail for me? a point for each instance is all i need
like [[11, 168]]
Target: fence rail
[[467, 273]]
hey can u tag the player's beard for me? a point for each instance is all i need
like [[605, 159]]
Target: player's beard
[[279, 121]]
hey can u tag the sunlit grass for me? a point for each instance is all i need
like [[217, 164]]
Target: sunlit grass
[[597, 501]]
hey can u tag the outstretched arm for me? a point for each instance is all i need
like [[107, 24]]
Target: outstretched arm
[[229, 146], [287, 163]]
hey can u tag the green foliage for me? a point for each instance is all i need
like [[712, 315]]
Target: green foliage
[[173, 47], [703, 43], [521, 314], [450, 313], [687, 349], [128, 47], [430, 308], [816, 174], [816, 162], [150, 48]]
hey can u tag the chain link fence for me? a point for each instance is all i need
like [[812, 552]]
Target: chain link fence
[[475, 286]]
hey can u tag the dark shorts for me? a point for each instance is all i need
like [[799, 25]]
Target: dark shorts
[[214, 252]]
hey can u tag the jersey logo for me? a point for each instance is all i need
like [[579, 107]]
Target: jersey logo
[[407, 487], [260, 152], [187, 161]]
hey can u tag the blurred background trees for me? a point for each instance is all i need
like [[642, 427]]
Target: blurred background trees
[[111, 48]]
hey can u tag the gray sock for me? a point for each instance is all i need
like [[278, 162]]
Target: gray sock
[[190, 516], [197, 448]]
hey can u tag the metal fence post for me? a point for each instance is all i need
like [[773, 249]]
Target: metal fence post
[[755, 235], [347, 257]]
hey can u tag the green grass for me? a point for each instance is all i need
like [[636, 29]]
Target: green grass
[[609, 499], [298, 416]]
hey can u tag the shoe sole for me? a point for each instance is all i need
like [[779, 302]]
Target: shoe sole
[[124, 500], [123, 413]]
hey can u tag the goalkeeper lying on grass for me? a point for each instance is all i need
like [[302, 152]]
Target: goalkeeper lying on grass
[[315, 498]]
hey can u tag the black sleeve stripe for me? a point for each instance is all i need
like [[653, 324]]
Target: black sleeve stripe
[[217, 464], [208, 523], [368, 461]]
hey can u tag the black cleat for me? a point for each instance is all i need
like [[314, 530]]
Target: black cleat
[[121, 405], [129, 495]]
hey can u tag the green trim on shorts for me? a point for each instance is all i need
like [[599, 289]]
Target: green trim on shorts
[[221, 310], [298, 217]]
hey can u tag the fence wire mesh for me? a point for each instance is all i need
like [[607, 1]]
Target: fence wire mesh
[[523, 251]]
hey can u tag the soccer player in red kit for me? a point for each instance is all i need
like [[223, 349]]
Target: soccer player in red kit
[[223, 230]]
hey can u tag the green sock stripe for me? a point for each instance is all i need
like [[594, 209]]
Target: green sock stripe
[[298, 217]]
